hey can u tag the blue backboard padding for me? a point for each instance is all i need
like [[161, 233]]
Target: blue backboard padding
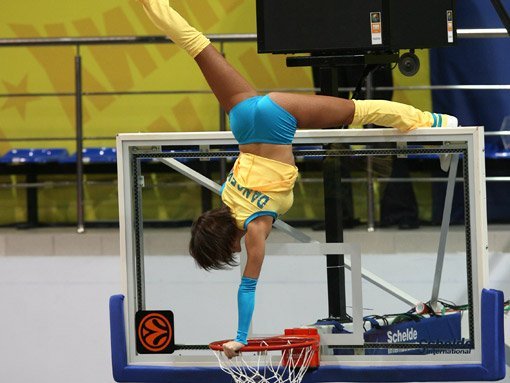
[[438, 328], [122, 372], [491, 368]]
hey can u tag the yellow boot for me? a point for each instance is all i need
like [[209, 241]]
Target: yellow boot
[[180, 32], [396, 115]]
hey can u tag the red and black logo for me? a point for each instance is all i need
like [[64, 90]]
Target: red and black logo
[[155, 332]]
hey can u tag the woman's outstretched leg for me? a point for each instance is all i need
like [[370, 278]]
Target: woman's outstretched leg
[[396, 115], [314, 112], [227, 84], [229, 87]]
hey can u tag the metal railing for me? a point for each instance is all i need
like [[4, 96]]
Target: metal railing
[[220, 39]]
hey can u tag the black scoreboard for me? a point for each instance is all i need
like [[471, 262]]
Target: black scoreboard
[[336, 26]]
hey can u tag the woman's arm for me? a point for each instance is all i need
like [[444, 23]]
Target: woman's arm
[[255, 241]]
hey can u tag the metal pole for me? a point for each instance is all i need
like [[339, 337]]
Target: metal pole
[[231, 37], [333, 214], [502, 13], [32, 200], [223, 127], [445, 224], [79, 140], [370, 166]]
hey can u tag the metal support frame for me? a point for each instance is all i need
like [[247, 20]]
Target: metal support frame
[[502, 13], [32, 201], [139, 262], [291, 231], [136, 147], [447, 211], [332, 169], [369, 84], [79, 141], [329, 249], [333, 214]]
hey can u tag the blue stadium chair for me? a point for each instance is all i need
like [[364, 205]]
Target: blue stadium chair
[[34, 156], [499, 147], [95, 156], [99, 155], [180, 159], [505, 127], [494, 151], [308, 148]]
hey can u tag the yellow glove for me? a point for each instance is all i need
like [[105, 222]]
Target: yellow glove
[[175, 27]]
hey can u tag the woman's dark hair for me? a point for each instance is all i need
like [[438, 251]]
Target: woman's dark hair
[[212, 239]]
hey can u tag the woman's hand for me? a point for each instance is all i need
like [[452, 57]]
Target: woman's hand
[[232, 348]]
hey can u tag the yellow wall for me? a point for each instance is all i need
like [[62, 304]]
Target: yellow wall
[[120, 68], [123, 68]]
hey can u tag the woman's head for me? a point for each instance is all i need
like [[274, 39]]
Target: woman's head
[[214, 237]]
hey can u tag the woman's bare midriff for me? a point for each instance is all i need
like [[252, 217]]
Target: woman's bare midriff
[[282, 153]]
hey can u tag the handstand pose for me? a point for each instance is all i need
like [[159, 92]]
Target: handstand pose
[[259, 187]]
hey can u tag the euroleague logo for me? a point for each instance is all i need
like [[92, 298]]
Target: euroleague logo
[[155, 334]]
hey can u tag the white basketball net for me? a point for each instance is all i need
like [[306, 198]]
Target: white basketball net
[[288, 366]]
